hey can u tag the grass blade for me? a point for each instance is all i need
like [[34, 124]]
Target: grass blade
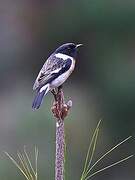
[[107, 167], [89, 150], [28, 160], [17, 165], [36, 159], [93, 150], [108, 152], [25, 165]]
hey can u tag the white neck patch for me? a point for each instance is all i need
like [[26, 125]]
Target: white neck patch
[[63, 56]]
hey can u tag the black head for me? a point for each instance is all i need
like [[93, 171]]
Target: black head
[[69, 49]]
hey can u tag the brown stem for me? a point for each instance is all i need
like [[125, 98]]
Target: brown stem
[[60, 146], [60, 111]]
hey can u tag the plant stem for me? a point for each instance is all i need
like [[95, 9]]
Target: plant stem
[[60, 111], [60, 147]]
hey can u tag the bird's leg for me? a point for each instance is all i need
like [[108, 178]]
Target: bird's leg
[[55, 107], [55, 94], [60, 98], [53, 91], [59, 88]]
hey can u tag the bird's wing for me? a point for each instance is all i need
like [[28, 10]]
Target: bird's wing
[[51, 69]]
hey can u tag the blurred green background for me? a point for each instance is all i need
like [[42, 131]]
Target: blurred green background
[[102, 85]]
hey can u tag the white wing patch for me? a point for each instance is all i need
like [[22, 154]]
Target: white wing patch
[[63, 56], [47, 87], [56, 70], [63, 77]]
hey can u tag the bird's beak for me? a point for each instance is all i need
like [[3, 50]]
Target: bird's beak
[[78, 45]]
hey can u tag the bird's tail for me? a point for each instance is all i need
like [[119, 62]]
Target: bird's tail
[[39, 96]]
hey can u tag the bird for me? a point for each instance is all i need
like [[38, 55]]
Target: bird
[[55, 71]]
